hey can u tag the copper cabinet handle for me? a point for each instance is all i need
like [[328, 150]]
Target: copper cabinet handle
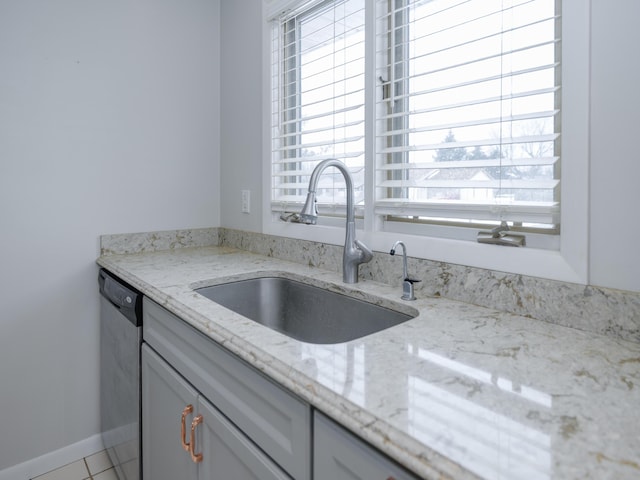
[[196, 457], [183, 427]]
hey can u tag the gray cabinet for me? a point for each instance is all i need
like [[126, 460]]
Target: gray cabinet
[[172, 409], [276, 421], [251, 427], [340, 455]]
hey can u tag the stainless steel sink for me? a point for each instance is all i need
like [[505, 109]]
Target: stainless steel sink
[[304, 312]]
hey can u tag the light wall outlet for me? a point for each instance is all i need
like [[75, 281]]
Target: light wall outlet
[[246, 201]]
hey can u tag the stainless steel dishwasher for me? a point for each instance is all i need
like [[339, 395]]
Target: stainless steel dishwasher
[[120, 339]]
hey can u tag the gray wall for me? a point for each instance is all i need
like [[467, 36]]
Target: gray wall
[[241, 113], [614, 155], [109, 122]]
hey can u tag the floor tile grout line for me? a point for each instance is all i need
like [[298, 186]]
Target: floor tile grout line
[[84, 459]]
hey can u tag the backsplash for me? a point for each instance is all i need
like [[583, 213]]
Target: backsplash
[[155, 241], [599, 310]]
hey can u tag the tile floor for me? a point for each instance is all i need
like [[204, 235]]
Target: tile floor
[[94, 467]]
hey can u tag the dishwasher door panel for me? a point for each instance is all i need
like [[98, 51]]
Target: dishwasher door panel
[[120, 390]]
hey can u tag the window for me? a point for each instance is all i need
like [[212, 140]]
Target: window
[[318, 102], [459, 118], [468, 122]]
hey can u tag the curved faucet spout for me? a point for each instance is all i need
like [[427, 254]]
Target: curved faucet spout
[[407, 282], [355, 252], [404, 257], [309, 213]]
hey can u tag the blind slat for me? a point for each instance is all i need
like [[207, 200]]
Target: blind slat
[[323, 114], [335, 142], [469, 123], [484, 163], [471, 143], [505, 184], [345, 158], [307, 173]]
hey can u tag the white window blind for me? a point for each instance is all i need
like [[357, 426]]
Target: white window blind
[[317, 78], [468, 119]]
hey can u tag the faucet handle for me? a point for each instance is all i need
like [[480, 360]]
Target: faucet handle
[[290, 217], [366, 254]]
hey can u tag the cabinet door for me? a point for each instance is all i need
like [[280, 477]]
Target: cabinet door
[[340, 455], [227, 453], [165, 394], [275, 419]]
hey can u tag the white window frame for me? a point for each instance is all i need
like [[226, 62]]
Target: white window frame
[[567, 263]]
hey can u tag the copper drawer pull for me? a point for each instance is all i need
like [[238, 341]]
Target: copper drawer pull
[[183, 427], [196, 457]]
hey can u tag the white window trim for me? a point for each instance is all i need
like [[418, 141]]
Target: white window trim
[[569, 263]]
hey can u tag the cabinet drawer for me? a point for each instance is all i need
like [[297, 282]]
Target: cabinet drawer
[[340, 455], [277, 421]]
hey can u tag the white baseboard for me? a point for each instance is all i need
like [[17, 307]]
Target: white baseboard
[[52, 460]]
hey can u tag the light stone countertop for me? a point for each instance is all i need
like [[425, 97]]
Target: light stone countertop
[[459, 391]]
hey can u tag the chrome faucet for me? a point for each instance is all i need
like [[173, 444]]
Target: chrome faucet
[[407, 282], [355, 252]]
